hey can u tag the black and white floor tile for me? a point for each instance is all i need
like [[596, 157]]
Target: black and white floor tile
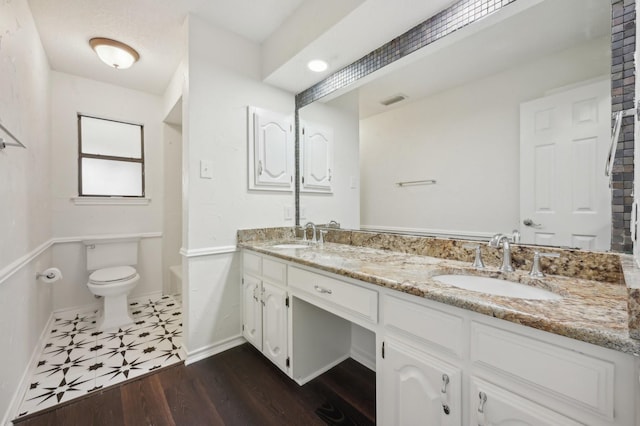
[[78, 359]]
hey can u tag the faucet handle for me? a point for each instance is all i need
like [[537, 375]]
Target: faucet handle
[[322, 234], [477, 262], [536, 269]]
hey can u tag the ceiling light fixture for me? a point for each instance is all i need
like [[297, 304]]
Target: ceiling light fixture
[[317, 65], [114, 53]]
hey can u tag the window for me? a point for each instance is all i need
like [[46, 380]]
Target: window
[[111, 158]]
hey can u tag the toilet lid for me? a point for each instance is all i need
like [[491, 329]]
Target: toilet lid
[[117, 273]]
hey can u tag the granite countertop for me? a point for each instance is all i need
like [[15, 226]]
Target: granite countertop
[[591, 311]]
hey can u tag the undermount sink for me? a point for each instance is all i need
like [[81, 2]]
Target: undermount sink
[[497, 287], [291, 246]]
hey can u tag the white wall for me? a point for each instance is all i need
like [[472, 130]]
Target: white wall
[[467, 138], [71, 95], [343, 204], [224, 78], [25, 223]]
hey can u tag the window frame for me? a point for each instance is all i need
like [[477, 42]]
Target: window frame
[[82, 155]]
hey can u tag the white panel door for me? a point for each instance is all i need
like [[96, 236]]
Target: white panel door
[[274, 323], [252, 311], [273, 150], [495, 406], [564, 195], [418, 389], [316, 158]]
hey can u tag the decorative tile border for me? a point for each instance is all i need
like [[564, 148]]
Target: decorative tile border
[[623, 48], [444, 23]]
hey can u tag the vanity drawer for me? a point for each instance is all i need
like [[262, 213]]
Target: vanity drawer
[[428, 326], [274, 272], [352, 298], [252, 263], [553, 371]]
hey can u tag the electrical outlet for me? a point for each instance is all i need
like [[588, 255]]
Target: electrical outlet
[[303, 213]]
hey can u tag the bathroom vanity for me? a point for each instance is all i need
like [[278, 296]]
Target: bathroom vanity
[[445, 355]]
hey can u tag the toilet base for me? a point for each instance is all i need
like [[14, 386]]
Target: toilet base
[[115, 313]]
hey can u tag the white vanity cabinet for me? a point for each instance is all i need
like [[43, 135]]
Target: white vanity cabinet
[[498, 372], [435, 364], [417, 388], [264, 303], [493, 405]]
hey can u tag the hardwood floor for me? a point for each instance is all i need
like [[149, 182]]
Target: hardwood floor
[[236, 387]]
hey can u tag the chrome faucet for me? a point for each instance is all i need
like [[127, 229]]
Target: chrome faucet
[[333, 224], [313, 232], [498, 240]]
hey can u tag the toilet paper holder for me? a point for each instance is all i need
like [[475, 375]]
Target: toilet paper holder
[[49, 275]]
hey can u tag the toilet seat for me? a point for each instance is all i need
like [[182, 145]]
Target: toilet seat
[[112, 275]]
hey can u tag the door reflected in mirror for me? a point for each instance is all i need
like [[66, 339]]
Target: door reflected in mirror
[[511, 122]]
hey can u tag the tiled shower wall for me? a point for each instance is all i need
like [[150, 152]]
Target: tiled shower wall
[[465, 12], [623, 48]]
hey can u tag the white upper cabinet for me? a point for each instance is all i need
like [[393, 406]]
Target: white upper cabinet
[[316, 157], [271, 148]]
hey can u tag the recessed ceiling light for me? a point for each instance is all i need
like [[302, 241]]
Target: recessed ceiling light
[[317, 65], [114, 53]]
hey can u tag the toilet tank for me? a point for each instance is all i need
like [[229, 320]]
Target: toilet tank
[[111, 252]]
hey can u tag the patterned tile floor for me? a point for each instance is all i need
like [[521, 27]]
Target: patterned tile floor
[[77, 358]]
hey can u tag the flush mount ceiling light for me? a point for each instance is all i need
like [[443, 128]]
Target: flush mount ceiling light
[[114, 53], [317, 65]]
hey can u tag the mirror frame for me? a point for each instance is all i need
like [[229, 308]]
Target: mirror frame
[[457, 16]]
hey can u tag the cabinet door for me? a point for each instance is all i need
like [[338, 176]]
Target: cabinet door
[[272, 151], [316, 152], [252, 311], [418, 389], [274, 323], [492, 405]]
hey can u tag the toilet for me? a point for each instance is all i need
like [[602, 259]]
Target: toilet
[[113, 275]]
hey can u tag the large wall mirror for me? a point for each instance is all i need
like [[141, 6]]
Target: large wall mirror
[[503, 125]]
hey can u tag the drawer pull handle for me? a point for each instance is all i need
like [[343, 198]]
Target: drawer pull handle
[[322, 290]]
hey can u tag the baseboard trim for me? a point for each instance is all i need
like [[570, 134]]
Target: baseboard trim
[[364, 358], [212, 349], [23, 384], [322, 370]]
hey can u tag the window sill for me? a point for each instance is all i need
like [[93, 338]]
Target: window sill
[[113, 201]]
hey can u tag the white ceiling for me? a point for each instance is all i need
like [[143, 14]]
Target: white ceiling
[[155, 29], [152, 27], [533, 30]]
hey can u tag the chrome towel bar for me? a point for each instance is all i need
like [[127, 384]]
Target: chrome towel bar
[[4, 144], [417, 182]]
